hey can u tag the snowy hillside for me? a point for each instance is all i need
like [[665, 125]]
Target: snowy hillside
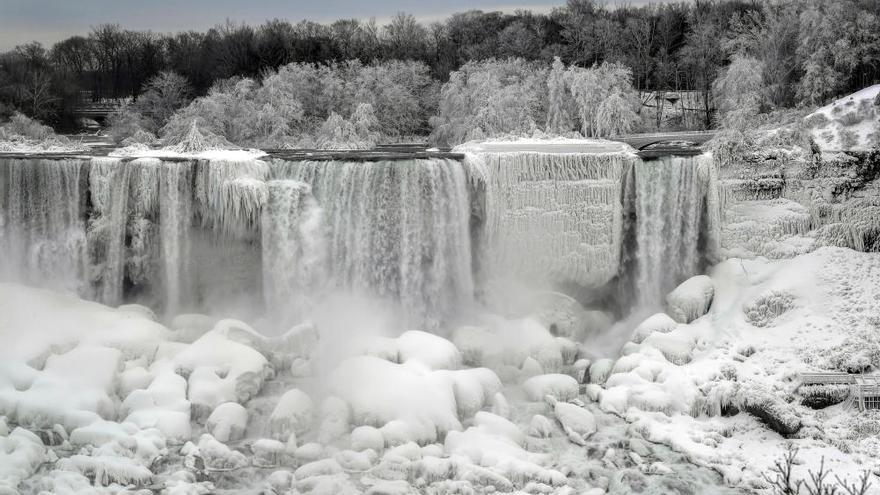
[[849, 123]]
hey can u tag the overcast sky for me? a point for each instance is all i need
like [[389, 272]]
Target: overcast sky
[[48, 21]]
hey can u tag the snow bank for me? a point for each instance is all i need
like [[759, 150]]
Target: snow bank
[[848, 123], [691, 299]]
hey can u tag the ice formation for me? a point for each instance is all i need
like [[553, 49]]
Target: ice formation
[[705, 394]]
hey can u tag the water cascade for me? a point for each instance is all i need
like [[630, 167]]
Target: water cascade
[[677, 223], [294, 250], [396, 229], [431, 235], [42, 221], [175, 220]]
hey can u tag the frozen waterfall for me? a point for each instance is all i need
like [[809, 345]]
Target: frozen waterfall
[[431, 235], [397, 229], [42, 221], [676, 223]]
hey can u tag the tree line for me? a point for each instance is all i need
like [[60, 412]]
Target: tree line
[[807, 50]]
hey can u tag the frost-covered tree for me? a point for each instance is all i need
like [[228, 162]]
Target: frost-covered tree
[[336, 133], [559, 100], [491, 98], [738, 91], [590, 89], [616, 115], [366, 125], [162, 96], [826, 51], [127, 122]]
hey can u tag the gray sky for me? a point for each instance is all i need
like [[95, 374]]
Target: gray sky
[[48, 21]]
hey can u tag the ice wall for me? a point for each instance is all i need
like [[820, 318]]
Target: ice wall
[[601, 222], [428, 234], [42, 221], [552, 217]]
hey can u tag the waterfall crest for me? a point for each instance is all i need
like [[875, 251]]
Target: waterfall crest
[[431, 235]]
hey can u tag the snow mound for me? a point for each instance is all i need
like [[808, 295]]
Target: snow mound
[[560, 387], [848, 123], [227, 422], [691, 299], [293, 413], [657, 323], [379, 392]]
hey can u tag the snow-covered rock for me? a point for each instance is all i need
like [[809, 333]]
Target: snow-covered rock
[[561, 387], [691, 299], [293, 413], [227, 422], [659, 323]]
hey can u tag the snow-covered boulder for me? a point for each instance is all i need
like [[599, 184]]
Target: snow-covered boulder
[[367, 438], [222, 366], [578, 423], [433, 351], [561, 387], [691, 299], [162, 405], [227, 422], [676, 347], [657, 323], [380, 392], [293, 413]]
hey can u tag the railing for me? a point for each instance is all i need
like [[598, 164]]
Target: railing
[[864, 390]]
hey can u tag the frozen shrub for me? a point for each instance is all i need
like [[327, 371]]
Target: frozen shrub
[[26, 127], [848, 139], [864, 425], [816, 121], [851, 118], [854, 355], [764, 310], [772, 410], [24, 134], [126, 122], [195, 139], [822, 396]]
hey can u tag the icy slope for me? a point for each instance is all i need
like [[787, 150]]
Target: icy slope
[[849, 123]]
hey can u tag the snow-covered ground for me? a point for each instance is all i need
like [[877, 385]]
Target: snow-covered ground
[[849, 123], [94, 398]]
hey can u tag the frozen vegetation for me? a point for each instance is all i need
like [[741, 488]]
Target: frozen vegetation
[[543, 315]]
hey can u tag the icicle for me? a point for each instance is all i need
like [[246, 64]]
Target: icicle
[[294, 250], [229, 196], [552, 218], [175, 217]]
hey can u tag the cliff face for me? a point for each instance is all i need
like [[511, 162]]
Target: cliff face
[[782, 204]]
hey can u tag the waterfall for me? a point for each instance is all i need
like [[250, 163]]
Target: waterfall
[[175, 215], [42, 226], [397, 229], [202, 234], [552, 219], [109, 183], [294, 250], [676, 208]]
